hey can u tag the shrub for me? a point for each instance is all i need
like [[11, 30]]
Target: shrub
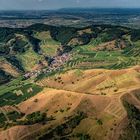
[[99, 122], [82, 136], [36, 100], [36, 117]]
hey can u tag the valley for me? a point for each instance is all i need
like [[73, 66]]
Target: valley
[[69, 83]]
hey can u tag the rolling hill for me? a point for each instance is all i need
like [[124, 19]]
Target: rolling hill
[[67, 83]]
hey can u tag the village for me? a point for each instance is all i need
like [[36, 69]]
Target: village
[[56, 64]]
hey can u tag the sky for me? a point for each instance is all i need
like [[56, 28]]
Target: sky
[[57, 4]]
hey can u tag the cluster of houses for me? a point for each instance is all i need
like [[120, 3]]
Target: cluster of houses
[[56, 64]]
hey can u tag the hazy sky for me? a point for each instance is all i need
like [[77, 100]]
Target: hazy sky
[[56, 4]]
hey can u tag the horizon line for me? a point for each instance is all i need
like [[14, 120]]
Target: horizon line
[[57, 9]]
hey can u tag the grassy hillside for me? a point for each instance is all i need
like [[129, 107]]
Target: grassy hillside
[[103, 46], [76, 104], [69, 83], [98, 46]]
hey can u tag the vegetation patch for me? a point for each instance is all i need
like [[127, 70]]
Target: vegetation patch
[[4, 77], [132, 132], [8, 119], [19, 95], [65, 129], [35, 117]]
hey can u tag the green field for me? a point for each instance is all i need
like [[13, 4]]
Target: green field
[[17, 91]]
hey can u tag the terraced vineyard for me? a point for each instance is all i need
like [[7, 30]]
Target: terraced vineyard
[[115, 108]]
